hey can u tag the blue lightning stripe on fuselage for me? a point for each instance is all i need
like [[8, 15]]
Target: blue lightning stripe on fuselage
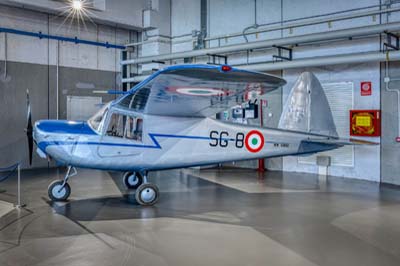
[[156, 145]]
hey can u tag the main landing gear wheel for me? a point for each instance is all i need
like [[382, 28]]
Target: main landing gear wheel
[[132, 180], [58, 192], [147, 194]]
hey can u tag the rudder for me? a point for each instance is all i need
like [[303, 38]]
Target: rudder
[[307, 108]]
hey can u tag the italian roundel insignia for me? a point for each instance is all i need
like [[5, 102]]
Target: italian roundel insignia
[[193, 91], [254, 141]]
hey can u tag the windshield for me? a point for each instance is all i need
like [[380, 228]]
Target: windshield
[[97, 121]]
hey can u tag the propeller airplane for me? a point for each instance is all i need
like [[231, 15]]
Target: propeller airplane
[[165, 122]]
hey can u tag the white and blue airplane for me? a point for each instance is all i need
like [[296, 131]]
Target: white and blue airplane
[[165, 122]]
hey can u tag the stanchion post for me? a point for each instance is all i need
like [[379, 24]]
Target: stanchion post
[[19, 185], [19, 204]]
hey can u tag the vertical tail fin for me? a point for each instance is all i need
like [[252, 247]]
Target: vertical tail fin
[[307, 108]]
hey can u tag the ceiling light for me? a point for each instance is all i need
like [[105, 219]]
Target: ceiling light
[[77, 4]]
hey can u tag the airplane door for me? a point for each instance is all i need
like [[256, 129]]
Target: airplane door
[[123, 136]]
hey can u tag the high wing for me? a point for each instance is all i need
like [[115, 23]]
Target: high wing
[[196, 90]]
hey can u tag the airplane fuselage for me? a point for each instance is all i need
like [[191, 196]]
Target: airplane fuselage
[[167, 142]]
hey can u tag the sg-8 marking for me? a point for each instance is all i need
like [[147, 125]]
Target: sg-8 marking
[[222, 139]]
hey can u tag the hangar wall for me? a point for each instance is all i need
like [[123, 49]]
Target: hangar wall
[[32, 64], [225, 19], [390, 149], [125, 13], [43, 51]]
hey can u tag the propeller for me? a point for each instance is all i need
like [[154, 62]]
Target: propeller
[[29, 127]]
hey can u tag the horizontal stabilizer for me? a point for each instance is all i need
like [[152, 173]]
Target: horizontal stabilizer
[[342, 141], [310, 146]]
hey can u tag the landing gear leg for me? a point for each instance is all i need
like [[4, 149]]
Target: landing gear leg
[[59, 190], [147, 194]]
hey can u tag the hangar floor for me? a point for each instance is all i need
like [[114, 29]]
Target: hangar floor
[[208, 217]]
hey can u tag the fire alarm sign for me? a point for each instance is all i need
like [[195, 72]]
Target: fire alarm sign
[[366, 88]]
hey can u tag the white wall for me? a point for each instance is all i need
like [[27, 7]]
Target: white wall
[[43, 51], [185, 17], [163, 9], [126, 13], [318, 7]]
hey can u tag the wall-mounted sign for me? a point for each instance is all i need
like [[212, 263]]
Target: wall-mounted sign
[[264, 103], [366, 88], [365, 123]]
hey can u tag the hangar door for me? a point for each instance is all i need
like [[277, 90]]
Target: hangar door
[[340, 99]]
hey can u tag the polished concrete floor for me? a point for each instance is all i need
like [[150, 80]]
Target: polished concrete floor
[[208, 217]]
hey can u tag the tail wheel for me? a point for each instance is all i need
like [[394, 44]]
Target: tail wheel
[[147, 194], [132, 180], [57, 192]]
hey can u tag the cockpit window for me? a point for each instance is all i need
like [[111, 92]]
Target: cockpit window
[[97, 121], [123, 126], [134, 129], [136, 101], [116, 125]]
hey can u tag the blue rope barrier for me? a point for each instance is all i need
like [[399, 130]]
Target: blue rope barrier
[[11, 169]]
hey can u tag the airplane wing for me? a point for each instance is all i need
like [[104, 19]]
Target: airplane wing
[[196, 90]]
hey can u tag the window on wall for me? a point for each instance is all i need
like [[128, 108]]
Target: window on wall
[[123, 126], [340, 99]]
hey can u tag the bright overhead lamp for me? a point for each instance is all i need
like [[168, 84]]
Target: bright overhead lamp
[[77, 4], [77, 10]]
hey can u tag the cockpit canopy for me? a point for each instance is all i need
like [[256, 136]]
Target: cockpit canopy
[[114, 123]]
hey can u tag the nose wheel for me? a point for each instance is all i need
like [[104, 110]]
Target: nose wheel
[[60, 190]]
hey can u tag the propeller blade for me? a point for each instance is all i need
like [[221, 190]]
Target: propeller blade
[[30, 145], [29, 127]]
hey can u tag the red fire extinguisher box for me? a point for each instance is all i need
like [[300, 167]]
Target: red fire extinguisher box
[[365, 123]]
